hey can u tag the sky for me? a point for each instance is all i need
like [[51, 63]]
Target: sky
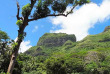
[[89, 19]]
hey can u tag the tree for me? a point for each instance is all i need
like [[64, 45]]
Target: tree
[[4, 43], [4, 51], [43, 9]]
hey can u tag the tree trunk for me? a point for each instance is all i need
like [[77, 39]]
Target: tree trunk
[[12, 62], [16, 49]]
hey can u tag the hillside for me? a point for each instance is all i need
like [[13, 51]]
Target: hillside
[[50, 42], [101, 40], [88, 56]]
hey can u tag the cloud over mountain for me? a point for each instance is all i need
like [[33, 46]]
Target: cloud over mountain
[[82, 19]]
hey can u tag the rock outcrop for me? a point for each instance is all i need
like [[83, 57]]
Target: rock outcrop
[[55, 39], [107, 28]]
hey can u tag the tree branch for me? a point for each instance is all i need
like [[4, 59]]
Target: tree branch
[[28, 13], [72, 9], [55, 14], [32, 3], [29, 20], [18, 9]]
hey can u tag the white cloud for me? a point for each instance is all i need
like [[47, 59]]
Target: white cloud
[[35, 29], [25, 45], [82, 19]]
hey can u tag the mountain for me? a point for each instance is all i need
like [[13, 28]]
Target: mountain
[[61, 54], [55, 39], [50, 42]]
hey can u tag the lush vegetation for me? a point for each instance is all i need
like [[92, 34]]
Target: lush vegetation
[[89, 56], [5, 53]]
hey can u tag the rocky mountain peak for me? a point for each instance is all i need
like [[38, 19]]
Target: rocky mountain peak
[[55, 39]]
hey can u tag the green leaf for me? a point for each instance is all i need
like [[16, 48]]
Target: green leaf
[[19, 22]]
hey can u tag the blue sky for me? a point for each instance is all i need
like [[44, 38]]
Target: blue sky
[[37, 28]]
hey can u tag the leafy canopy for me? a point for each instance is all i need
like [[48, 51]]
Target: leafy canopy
[[3, 35], [43, 8]]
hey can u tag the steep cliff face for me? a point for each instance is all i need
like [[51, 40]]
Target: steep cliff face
[[55, 39]]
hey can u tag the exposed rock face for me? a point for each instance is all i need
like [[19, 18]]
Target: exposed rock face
[[93, 56], [107, 28], [55, 39]]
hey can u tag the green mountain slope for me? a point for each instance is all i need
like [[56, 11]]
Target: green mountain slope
[[101, 40], [88, 56], [50, 42]]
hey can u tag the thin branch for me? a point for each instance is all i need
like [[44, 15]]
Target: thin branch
[[29, 20], [18, 9], [57, 15], [71, 9]]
